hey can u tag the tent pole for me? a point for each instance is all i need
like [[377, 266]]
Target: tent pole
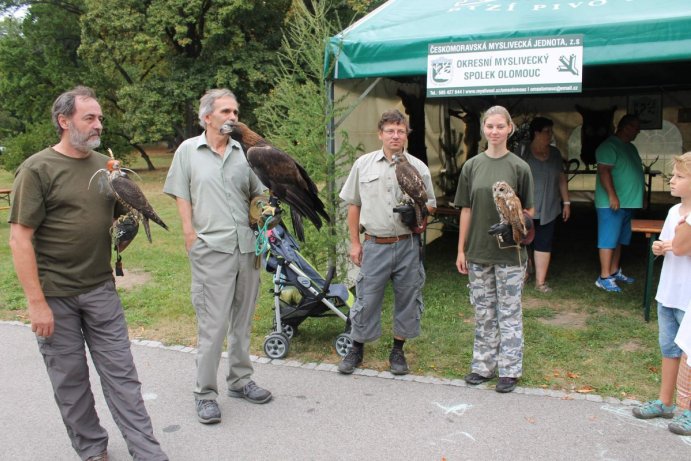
[[331, 165], [357, 103]]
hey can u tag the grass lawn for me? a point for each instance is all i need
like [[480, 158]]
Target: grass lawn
[[577, 338]]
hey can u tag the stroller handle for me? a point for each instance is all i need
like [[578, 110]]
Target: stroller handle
[[329, 276]]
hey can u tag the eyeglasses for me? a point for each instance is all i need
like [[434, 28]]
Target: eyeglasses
[[391, 132]]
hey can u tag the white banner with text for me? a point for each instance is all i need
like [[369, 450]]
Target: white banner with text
[[528, 65]]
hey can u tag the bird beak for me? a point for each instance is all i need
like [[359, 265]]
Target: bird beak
[[227, 128]]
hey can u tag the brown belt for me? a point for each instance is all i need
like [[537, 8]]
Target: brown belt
[[386, 240]]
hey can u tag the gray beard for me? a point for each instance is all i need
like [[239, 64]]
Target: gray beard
[[81, 144]]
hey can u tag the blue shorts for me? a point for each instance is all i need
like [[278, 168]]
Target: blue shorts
[[543, 235], [613, 227], [668, 321]]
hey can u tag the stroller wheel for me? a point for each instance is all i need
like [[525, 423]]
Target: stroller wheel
[[343, 343], [276, 346], [288, 330]]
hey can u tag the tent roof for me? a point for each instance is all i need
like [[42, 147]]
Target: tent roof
[[392, 41]]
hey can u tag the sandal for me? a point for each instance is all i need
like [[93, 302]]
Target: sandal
[[544, 288]]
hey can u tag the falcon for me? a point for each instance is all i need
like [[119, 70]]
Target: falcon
[[286, 179], [412, 185], [128, 193]]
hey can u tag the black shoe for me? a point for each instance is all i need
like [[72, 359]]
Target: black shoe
[[399, 366], [208, 412], [505, 385], [352, 360], [475, 379], [251, 392]]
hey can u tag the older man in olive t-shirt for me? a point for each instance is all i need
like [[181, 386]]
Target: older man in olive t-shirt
[[60, 241]]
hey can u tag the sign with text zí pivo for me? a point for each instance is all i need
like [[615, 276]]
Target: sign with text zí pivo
[[504, 67]]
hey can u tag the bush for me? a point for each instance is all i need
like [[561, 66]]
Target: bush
[[23, 145]]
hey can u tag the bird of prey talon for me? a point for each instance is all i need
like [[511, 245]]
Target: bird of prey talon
[[128, 193], [286, 179]]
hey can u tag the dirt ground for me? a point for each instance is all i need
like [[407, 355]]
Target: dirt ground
[[133, 278], [564, 315]]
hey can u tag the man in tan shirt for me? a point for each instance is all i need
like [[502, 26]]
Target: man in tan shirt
[[391, 251]]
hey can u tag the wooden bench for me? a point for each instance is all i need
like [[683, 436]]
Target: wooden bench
[[5, 197]]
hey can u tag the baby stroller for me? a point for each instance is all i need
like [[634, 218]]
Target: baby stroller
[[301, 292]]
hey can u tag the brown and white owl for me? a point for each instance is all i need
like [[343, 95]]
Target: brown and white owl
[[510, 209]]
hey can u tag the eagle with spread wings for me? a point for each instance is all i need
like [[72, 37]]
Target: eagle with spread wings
[[286, 179]]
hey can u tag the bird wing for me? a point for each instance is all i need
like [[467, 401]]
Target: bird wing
[[130, 193], [288, 181], [411, 183]]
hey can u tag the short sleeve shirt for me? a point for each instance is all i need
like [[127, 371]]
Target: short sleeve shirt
[[71, 218], [219, 190], [546, 175], [627, 173], [474, 191], [372, 186], [673, 289]]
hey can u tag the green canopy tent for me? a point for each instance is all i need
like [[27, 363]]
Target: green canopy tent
[[392, 40], [629, 46]]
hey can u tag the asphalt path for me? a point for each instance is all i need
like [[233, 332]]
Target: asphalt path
[[318, 414]]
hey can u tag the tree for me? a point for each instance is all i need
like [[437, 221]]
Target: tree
[[38, 60], [163, 54], [298, 111], [149, 61]]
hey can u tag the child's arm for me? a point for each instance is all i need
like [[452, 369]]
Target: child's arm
[[682, 238]]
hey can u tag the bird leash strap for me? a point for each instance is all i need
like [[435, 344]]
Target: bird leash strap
[[261, 244]]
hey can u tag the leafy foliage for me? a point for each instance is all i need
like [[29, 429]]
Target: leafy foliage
[[38, 60], [149, 61], [298, 113], [162, 55]]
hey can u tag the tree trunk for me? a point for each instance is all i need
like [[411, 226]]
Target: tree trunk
[[149, 166]]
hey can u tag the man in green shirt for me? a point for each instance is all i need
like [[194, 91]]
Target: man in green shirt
[[618, 192], [60, 241]]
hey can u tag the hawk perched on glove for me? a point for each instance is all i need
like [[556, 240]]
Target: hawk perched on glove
[[411, 183], [128, 193]]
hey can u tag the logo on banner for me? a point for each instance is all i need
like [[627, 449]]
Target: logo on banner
[[568, 64], [442, 69]]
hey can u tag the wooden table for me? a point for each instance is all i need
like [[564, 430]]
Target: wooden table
[[5, 197], [651, 228], [445, 214]]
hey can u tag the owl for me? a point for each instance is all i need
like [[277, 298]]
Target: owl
[[510, 209]]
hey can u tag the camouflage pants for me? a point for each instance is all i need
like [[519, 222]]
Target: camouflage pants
[[495, 292]]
